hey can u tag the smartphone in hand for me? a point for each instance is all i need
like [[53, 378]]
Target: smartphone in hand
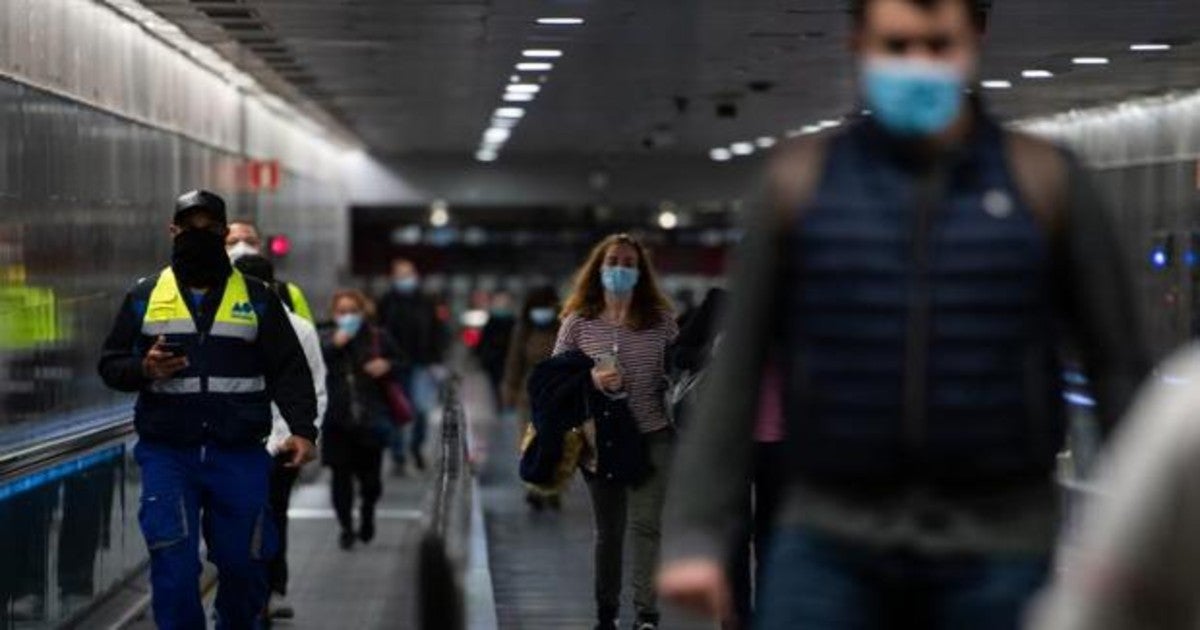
[[175, 349]]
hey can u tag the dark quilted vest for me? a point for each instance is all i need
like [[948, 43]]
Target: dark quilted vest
[[920, 321]]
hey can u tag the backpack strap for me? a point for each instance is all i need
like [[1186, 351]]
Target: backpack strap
[[1040, 170]]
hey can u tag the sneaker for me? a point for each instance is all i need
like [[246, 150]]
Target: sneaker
[[279, 608], [606, 625], [419, 460], [646, 625], [366, 531], [534, 501], [346, 540], [554, 502]]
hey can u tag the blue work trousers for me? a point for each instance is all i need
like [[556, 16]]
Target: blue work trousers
[[818, 581], [222, 492]]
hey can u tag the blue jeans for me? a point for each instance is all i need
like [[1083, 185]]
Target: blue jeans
[[422, 390], [221, 492], [817, 581]]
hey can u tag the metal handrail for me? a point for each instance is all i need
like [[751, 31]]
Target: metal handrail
[[440, 541], [59, 448]]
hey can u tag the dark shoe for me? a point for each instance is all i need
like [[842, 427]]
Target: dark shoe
[[646, 622], [366, 531], [554, 502], [399, 469], [606, 625], [534, 501], [346, 541], [419, 460]]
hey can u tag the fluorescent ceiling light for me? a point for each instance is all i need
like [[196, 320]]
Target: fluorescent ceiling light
[[516, 78], [720, 155], [1037, 74], [741, 148], [484, 155], [810, 129], [510, 112], [517, 98], [439, 217], [496, 134], [829, 124], [535, 66], [542, 54], [765, 142], [1090, 61], [523, 88], [1149, 47], [667, 220], [505, 123], [792, 133], [996, 84], [560, 21]]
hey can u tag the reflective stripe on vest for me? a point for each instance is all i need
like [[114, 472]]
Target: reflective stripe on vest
[[222, 385], [190, 385]]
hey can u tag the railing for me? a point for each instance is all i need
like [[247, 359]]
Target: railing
[[436, 550]]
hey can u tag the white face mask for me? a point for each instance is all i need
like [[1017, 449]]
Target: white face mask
[[239, 249]]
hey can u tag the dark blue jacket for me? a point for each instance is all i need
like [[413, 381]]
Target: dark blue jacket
[[228, 419], [562, 396], [922, 317]]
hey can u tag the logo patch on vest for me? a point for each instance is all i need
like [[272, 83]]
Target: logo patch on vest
[[998, 204], [243, 310]]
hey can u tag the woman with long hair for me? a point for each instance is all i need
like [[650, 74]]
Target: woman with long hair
[[360, 357], [617, 315]]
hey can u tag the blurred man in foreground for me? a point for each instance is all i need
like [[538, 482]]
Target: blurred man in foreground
[[915, 270]]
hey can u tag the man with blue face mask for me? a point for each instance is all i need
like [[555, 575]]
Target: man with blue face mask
[[918, 274], [412, 319]]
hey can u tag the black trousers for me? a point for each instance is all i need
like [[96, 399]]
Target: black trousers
[[364, 464], [282, 481]]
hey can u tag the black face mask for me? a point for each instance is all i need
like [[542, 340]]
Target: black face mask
[[199, 258]]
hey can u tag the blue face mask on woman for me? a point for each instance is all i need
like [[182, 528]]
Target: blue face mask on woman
[[542, 316], [350, 323], [913, 97], [618, 280]]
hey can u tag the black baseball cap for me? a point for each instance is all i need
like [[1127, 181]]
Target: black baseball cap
[[200, 200]]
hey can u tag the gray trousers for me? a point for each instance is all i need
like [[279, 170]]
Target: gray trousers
[[615, 504]]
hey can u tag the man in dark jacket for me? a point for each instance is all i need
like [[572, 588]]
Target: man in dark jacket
[[207, 350], [917, 269], [412, 320]]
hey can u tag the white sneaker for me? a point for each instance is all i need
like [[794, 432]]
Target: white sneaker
[[279, 608]]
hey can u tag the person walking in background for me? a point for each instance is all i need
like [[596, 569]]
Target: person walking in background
[[617, 315], [283, 477], [533, 342], [208, 350], [360, 357], [920, 271], [411, 318], [495, 339], [243, 239]]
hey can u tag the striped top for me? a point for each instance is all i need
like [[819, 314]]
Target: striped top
[[639, 354]]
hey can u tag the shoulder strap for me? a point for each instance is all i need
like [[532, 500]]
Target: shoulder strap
[[794, 174], [1040, 171]]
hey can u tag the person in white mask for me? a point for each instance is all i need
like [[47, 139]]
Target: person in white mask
[[244, 239], [283, 477]]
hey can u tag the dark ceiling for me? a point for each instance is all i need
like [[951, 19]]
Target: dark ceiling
[[417, 77]]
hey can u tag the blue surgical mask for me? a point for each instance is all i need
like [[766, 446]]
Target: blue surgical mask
[[350, 323], [913, 97], [618, 280], [406, 285], [542, 316]]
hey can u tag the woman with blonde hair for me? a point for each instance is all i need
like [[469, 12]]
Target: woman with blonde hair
[[360, 357], [617, 315]]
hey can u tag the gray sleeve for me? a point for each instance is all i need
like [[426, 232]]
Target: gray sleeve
[[1102, 306], [712, 468]]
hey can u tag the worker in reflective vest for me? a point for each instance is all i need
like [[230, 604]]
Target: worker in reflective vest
[[243, 239], [207, 350]]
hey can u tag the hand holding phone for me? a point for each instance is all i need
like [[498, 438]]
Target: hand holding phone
[[162, 361]]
